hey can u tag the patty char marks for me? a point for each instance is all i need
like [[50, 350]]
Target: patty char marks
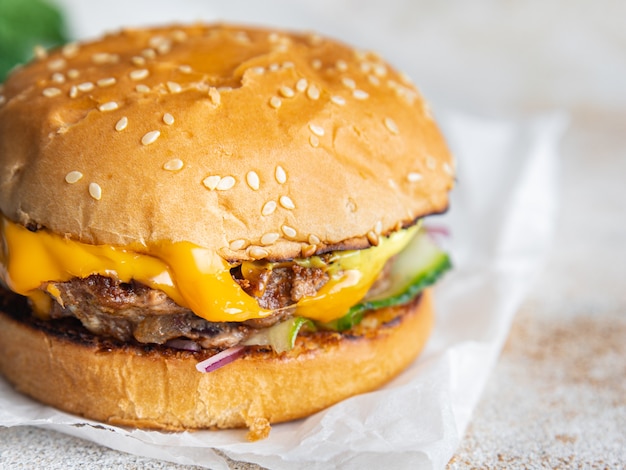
[[127, 311]]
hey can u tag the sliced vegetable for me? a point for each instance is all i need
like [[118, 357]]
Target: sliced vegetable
[[281, 336], [220, 359], [419, 265]]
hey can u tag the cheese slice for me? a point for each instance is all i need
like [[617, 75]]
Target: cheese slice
[[192, 276]]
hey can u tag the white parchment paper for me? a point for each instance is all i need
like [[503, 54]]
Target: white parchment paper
[[501, 220]]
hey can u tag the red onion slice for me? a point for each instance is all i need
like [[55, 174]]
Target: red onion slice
[[437, 230], [220, 359]]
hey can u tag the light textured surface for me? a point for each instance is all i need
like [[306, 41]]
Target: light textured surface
[[557, 397]]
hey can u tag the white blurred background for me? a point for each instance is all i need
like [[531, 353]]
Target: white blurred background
[[489, 57]]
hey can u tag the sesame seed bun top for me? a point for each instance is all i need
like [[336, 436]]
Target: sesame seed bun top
[[257, 143]]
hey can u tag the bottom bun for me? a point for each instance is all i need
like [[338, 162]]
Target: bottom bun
[[158, 387]]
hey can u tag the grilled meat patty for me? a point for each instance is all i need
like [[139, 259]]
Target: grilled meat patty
[[132, 310], [127, 311]]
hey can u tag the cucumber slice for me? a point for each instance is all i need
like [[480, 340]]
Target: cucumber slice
[[418, 266], [281, 336]]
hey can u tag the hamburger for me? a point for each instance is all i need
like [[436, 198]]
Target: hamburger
[[214, 226]]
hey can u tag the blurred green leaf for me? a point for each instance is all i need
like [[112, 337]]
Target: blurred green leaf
[[23, 25]]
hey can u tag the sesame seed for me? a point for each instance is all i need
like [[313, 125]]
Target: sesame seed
[[360, 55], [373, 79], [121, 124], [273, 37], [57, 64], [391, 125], [378, 227], [226, 183], [317, 130], [141, 88], [139, 74], [104, 82], [365, 67], [257, 252], [174, 164], [405, 78], [73, 92], [104, 58], [95, 191], [288, 65], [138, 61], [373, 238], [258, 70], [360, 94], [313, 92], [315, 39], [73, 74], [70, 50], [211, 182], [58, 77], [431, 162], [308, 250], [238, 244], [156, 41], [289, 231], [302, 84], [427, 112], [179, 35], [414, 177], [316, 64], [168, 119], [164, 48], [268, 208], [286, 202], [380, 70], [150, 137], [73, 176], [51, 92], [174, 87], [280, 48], [341, 65], [252, 178], [40, 52], [286, 91], [269, 238], [314, 239], [274, 67], [447, 168], [185, 68], [348, 82], [280, 175], [241, 36], [338, 100], [275, 102], [85, 86], [109, 106], [148, 53], [314, 141], [215, 96]]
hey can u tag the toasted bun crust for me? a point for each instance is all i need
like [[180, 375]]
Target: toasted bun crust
[[259, 132], [159, 388]]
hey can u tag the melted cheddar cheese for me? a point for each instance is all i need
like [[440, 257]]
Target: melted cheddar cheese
[[192, 276]]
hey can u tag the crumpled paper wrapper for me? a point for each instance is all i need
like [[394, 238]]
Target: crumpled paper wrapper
[[501, 221]]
